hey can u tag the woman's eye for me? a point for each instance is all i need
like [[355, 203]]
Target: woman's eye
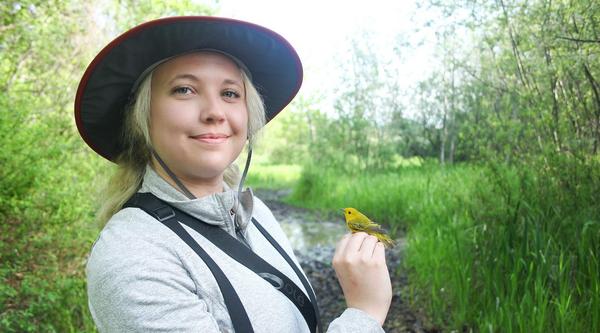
[[182, 90], [231, 94]]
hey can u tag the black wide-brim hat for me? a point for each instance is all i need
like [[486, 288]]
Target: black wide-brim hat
[[108, 83]]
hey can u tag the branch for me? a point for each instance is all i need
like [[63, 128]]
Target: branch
[[580, 40]]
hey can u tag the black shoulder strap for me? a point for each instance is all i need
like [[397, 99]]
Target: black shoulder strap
[[239, 317], [232, 300], [168, 214], [307, 286]]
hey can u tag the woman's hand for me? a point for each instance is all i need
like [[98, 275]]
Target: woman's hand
[[359, 263]]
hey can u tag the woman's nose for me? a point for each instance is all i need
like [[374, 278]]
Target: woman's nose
[[211, 110]]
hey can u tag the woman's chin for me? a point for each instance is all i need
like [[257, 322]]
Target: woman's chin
[[212, 172]]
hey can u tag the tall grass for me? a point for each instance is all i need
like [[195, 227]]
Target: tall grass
[[273, 176], [395, 199], [494, 248]]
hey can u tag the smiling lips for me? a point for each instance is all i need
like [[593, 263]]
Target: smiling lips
[[212, 138]]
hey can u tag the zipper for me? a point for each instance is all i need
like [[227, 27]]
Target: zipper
[[238, 231], [243, 240]]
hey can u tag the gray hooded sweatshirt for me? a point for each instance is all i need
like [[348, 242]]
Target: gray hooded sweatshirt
[[143, 278]]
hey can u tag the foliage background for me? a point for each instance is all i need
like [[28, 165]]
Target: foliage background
[[49, 180]]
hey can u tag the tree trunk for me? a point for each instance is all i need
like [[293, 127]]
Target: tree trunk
[[452, 149], [444, 134]]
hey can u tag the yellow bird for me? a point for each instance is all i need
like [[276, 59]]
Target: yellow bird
[[356, 221]]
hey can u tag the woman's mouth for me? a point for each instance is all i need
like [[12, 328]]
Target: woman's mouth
[[212, 138]]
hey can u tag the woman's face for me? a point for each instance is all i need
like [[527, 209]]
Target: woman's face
[[198, 115]]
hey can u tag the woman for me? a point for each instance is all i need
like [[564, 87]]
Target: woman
[[173, 102]]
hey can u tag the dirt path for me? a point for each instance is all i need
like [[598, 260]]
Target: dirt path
[[309, 233]]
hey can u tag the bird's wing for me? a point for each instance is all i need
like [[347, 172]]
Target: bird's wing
[[376, 228], [357, 226], [372, 225], [367, 227]]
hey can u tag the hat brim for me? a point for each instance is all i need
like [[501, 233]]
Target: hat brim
[[106, 86]]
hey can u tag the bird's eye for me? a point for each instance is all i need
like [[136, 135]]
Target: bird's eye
[[349, 212]]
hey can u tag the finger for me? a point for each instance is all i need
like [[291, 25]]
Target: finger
[[355, 242], [342, 243], [379, 252], [368, 247]]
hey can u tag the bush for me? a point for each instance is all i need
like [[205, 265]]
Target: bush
[[47, 208]]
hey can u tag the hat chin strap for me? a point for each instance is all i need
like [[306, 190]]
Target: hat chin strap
[[187, 192], [246, 167], [182, 187]]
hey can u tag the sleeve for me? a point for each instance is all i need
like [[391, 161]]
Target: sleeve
[[140, 286], [354, 321]]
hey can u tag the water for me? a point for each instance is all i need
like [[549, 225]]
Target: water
[[312, 235], [307, 235]]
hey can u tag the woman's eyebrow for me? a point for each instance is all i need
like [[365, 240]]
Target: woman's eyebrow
[[231, 81], [196, 79], [184, 76]]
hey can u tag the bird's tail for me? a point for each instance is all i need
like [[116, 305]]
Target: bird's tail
[[386, 240]]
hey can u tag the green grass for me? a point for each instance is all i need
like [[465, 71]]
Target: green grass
[[273, 176], [494, 249], [395, 199]]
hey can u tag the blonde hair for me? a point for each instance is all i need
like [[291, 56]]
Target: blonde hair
[[137, 147]]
